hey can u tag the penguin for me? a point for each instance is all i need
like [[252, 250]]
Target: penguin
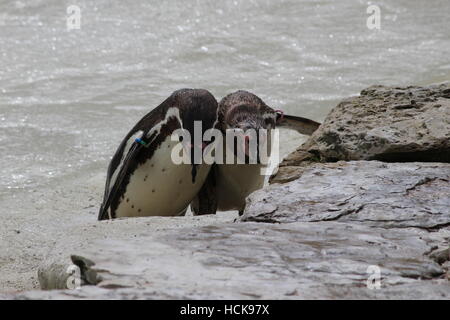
[[142, 178], [227, 185]]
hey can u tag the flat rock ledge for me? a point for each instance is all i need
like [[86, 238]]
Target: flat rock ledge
[[325, 260], [378, 194], [360, 211]]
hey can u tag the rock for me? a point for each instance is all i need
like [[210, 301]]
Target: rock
[[333, 230], [384, 123], [55, 269], [377, 194], [441, 256], [327, 260]]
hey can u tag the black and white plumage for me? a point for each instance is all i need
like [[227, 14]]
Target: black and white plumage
[[228, 185], [142, 179]]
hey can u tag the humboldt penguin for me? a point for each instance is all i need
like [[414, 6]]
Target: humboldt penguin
[[228, 185], [142, 178]]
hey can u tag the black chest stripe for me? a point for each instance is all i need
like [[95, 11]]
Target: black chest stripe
[[137, 155]]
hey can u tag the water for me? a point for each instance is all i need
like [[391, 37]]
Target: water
[[68, 97]]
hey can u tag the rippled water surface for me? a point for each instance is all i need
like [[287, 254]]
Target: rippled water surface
[[68, 97]]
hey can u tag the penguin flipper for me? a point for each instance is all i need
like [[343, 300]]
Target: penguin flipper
[[205, 202], [104, 212], [299, 124]]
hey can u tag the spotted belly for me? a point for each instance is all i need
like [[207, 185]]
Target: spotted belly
[[159, 187]]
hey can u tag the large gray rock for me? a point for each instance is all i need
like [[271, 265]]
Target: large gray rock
[[327, 260], [377, 194], [54, 270], [328, 228], [384, 123]]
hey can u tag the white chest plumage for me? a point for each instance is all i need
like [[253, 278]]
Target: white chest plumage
[[159, 187], [235, 182]]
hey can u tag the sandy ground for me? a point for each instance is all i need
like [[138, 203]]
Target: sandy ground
[[34, 220], [33, 224]]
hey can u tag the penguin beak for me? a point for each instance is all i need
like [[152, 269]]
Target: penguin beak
[[196, 150], [249, 144], [193, 147]]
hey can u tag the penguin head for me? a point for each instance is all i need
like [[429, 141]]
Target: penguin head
[[198, 115], [252, 130]]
